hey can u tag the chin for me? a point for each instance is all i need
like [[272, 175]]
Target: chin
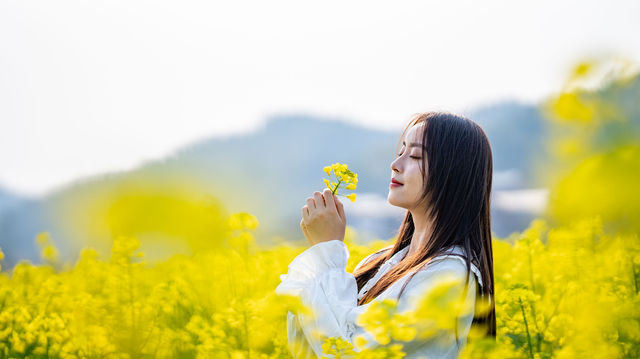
[[393, 202]]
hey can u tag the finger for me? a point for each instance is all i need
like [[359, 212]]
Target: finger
[[328, 198], [303, 227], [306, 235], [340, 208], [319, 200], [305, 213], [311, 203]]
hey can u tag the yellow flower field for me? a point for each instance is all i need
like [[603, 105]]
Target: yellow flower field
[[565, 292]]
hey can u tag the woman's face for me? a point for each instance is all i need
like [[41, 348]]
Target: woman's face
[[406, 170]]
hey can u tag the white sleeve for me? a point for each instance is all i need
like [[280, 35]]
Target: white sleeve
[[318, 277]]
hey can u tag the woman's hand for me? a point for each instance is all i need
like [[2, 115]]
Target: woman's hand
[[323, 218]]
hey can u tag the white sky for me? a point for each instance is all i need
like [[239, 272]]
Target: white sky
[[93, 86]]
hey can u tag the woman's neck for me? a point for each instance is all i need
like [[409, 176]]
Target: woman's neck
[[421, 233]]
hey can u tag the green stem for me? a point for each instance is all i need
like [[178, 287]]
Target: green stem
[[335, 189], [533, 308], [526, 326], [635, 276]]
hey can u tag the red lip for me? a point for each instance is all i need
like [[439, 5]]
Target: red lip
[[394, 181]]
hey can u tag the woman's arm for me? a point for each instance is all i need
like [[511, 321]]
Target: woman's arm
[[297, 342], [318, 277]]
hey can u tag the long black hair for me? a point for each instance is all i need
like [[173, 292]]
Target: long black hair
[[457, 192]]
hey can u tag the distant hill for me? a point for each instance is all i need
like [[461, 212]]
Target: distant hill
[[517, 134], [280, 164], [8, 199], [19, 219]]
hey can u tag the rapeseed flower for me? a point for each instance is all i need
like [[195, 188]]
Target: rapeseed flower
[[221, 303], [342, 174]]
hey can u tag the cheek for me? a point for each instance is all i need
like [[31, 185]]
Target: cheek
[[415, 176]]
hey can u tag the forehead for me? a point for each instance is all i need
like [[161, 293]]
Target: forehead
[[414, 134]]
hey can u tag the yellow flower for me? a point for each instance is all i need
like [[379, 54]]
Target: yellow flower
[[352, 197], [50, 253], [344, 176], [360, 341], [43, 238], [242, 221], [403, 333]]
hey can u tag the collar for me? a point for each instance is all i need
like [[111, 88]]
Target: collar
[[457, 249], [401, 253]]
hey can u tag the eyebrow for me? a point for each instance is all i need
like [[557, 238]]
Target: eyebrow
[[412, 144]]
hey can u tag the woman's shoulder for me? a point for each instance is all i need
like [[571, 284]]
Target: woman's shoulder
[[452, 261]]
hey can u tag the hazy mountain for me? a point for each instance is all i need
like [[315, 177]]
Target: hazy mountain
[[20, 219], [517, 133], [280, 164]]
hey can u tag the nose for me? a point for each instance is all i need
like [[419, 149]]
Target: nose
[[394, 165]]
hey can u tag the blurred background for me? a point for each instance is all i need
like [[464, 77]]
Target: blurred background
[[159, 119]]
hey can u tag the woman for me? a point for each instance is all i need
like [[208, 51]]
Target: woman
[[442, 176]]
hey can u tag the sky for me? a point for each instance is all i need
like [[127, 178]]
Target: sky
[[89, 87]]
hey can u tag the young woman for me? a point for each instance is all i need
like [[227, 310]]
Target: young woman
[[442, 176]]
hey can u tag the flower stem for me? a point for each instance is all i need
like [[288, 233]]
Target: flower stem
[[526, 326], [635, 276], [337, 185]]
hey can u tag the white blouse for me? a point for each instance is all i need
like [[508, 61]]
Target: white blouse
[[318, 277]]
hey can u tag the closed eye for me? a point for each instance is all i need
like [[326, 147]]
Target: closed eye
[[414, 157]]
